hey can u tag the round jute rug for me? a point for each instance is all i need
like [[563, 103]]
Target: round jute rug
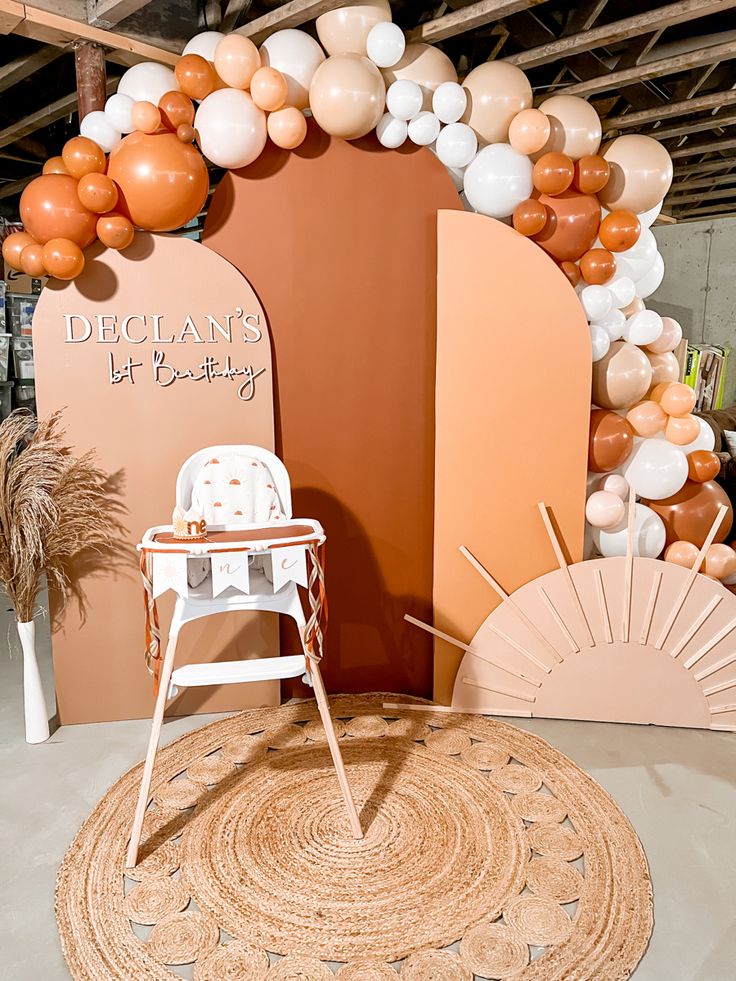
[[487, 853]]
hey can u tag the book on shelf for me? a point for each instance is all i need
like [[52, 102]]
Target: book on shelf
[[703, 368]]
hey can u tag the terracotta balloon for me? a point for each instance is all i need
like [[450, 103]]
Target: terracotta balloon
[[619, 231], [115, 231], [13, 246], [163, 182], [63, 258], [689, 514], [347, 96], [610, 441], [682, 553], [497, 92], [83, 156], [50, 208], [97, 193], [702, 465], [31, 260], [641, 173], [572, 224], [195, 76], [591, 174], [572, 271], [682, 430], [678, 399], [185, 133], [146, 117], [636, 306], [55, 165], [553, 173], [529, 131], [236, 61], [665, 368], [621, 377], [597, 266], [529, 217], [426, 65], [647, 418], [268, 89], [669, 339], [575, 127], [175, 108], [345, 30], [287, 127], [720, 561]]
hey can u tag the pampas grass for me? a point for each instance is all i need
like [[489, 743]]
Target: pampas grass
[[55, 508]]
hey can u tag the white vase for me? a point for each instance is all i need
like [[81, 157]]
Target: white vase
[[34, 703]]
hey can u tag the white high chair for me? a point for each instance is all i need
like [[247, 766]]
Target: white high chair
[[261, 597]]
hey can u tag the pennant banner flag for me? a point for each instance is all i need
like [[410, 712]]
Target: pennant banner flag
[[169, 572], [289, 565], [229, 569]]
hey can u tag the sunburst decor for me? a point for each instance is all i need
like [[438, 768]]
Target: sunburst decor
[[466, 869]]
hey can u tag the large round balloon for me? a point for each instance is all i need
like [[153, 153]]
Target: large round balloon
[[427, 66], [656, 469], [496, 91], [147, 82], [641, 173], [163, 182], [346, 30], [347, 96], [50, 208], [622, 377], [572, 224], [498, 179], [689, 513], [297, 56], [575, 127], [232, 129], [648, 539], [610, 441]]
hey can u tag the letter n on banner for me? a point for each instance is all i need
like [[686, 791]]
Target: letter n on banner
[[230, 569], [169, 572], [289, 565]]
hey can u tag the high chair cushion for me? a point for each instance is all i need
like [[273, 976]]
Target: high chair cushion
[[235, 489]]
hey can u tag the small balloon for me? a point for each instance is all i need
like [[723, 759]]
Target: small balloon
[[529, 217], [175, 108], [600, 342], [195, 76], [529, 131], [604, 510], [575, 126], [591, 174], [597, 266], [82, 156], [553, 173], [619, 231], [682, 430], [55, 165], [449, 102], [185, 132], [237, 60], [669, 339], [596, 301], [647, 418], [678, 399], [268, 89], [682, 553], [31, 261], [97, 193], [571, 270], [702, 465], [385, 44], [287, 127], [665, 367], [115, 231], [614, 483], [391, 132], [13, 246], [63, 258], [146, 117], [720, 561], [610, 441]]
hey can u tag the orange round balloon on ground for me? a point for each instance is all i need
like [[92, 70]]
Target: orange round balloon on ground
[[97, 193], [591, 174], [162, 181], [702, 465], [115, 231], [175, 108], [195, 76], [553, 173], [63, 258], [619, 231], [597, 266], [529, 217], [689, 514], [83, 156], [13, 247], [610, 441], [50, 208], [572, 224], [55, 165], [31, 260]]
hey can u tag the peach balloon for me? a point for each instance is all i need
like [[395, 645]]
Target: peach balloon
[[236, 60], [50, 208], [678, 399], [97, 192], [621, 377], [604, 509], [720, 561], [146, 117], [641, 173], [529, 131], [297, 56], [682, 430], [115, 231], [647, 418], [614, 483], [575, 127], [268, 89], [287, 127], [195, 76], [345, 30], [55, 165], [175, 108], [669, 339], [636, 306], [13, 246], [347, 96], [703, 465], [31, 260], [83, 156], [665, 368], [63, 258], [428, 67], [497, 92], [681, 553]]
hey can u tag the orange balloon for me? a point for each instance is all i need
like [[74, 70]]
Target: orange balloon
[[529, 217], [268, 89], [619, 231], [287, 127], [702, 465], [195, 76], [610, 441], [115, 231], [689, 514], [553, 173], [647, 418], [83, 156], [50, 208], [185, 133], [720, 561], [677, 399], [145, 117], [175, 108], [572, 271], [682, 430], [163, 182], [591, 174], [63, 258], [682, 553], [55, 165], [31, 260], [597, 266], [13, 247], [572, 224], [97, 193]]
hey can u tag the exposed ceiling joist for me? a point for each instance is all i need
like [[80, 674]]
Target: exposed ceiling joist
[[706, 210], [714, 100], [692, 184], [44, 117], [706, 166], [20, 68], [468, 18], [699, 126], [713, 146], [108, 13], [291, 14], [717, 195], [15, 187], [232, 12]]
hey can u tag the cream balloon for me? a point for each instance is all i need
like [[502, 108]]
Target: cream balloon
[[286, 127], [347, 96], [641, 173], [496, 92], [427, 66], [232, 129], [656, 468], [622, 377], [614, 483], [346, 29], [665, 367], [449, 102], [669, 339], [297, 56], [648, 539], [604, 509], [204, 45], [497, 180], [147, 82], [575, 127], [385, 44]]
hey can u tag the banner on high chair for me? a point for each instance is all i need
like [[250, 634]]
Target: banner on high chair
[[230, 569], [169, 572], [289, 565]]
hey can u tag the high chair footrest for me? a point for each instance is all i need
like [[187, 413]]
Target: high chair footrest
[[235, 672]]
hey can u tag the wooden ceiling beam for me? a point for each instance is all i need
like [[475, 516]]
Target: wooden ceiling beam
[[232, 12], [468, 19], [691, 184], [714, 100], [713, 209], [20, 68], [15, 187], [109, 13], [705, 166], [713, 146], [717, 195], [699, 126], [64, 106], [291, 14]]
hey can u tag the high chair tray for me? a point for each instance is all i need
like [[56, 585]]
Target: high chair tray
[[224, 537]]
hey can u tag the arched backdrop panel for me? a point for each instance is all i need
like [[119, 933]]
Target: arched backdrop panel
[[513, 405], [143, 431], [339, 242]]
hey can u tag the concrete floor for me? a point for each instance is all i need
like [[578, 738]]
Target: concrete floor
[[677, 786]]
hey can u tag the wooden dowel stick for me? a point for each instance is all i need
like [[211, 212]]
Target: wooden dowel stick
[[517, 647], [694, 627], [720, 709], [499, 691], [554, 612], [706, 648], [451, 710], [628, 567], [604, 606], [646, 625], [565, 569], [718, 688]]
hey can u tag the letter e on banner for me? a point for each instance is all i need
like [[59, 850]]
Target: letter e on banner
[[289, 565], [229, 569], [169, 572]]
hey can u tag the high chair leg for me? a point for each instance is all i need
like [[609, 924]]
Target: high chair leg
[[158, 718]]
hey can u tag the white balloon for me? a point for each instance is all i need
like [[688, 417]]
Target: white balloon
[[231, 128], [639, 259], [498, 179], [643, 327], [385, 44], [622, 288], [648, 539], [297, 56], [600, 342], [204, 44], [424, 128], [96, 126], [705, 441], [147, 82], [449, 102], [118, 109], [652, 281], [613, 324], [391, 132], [597, 302], [646, 218], [656, 468], [457, 144], [404, 98]]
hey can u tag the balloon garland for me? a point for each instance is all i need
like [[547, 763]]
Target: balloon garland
[[542, 170]]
